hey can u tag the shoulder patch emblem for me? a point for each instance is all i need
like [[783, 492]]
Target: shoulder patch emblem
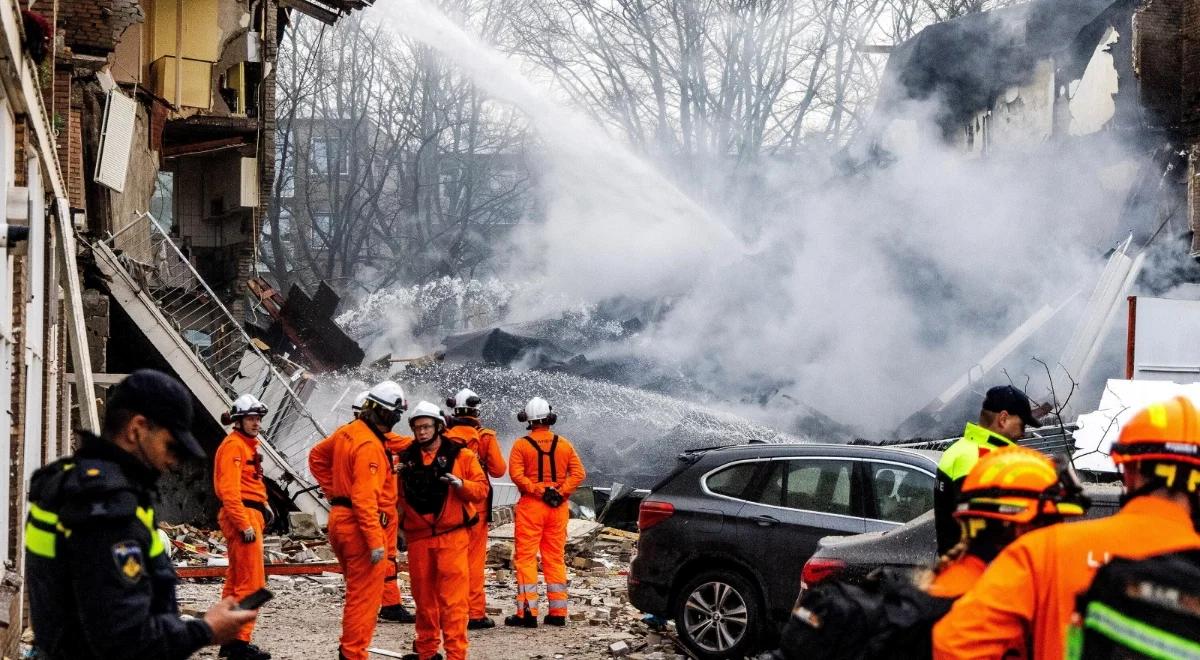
[[373, 467], [127, 555]]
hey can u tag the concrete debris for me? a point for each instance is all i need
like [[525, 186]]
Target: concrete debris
[[193, 546]]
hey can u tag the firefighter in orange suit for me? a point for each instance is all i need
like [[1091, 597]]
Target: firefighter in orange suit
[[440, 485], [238, 482], [466, 428], [546, 470], [1028, 592], [359, 473], [320, 464]]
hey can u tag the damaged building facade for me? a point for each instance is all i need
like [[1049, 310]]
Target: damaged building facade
[[137, 142], [1054, 72], [1111, 87]]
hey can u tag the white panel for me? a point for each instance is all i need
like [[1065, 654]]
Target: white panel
[[6, 345], [1164, 344], [35, 320], [116, 142], [249, 182]]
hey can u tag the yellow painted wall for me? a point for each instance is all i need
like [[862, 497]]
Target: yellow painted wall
[[198, 43], [201, 34]]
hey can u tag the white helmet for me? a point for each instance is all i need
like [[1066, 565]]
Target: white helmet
[[464, 400], [247, 405], [537, 410], [426, 409], [388, 395], [359, 401]]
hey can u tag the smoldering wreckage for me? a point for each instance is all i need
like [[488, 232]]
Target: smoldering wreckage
[[1062, 75]]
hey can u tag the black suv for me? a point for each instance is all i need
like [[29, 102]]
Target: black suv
[[724, 537]]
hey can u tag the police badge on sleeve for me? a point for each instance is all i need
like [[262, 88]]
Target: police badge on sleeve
[[128, 557]]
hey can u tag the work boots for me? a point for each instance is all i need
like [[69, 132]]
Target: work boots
[[525, 620], [239, 650], [414, 656], [396, 614], [480, 624], [555, 620]]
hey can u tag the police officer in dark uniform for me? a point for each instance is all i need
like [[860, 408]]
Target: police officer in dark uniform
[[100, 580]]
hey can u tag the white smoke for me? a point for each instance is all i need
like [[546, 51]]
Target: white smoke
[[864, 294]]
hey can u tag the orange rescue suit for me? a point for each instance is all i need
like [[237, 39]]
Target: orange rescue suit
[[540, 527], [481, 441], [958, 577], [391, 588], [358, 476], [437, 545], [238, 483], [1030, 588]]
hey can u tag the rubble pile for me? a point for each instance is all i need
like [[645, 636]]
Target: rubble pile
[[597, 562], [193, 546]]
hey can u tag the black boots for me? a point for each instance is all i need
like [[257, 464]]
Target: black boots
[[480, 624], [555, 620], [396, 614], [526, 620], [239, 650], [414, 656]]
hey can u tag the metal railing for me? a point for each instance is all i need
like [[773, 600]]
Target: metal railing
[[205, 324]]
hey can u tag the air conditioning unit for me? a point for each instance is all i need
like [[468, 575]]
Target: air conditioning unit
[[249, 186]]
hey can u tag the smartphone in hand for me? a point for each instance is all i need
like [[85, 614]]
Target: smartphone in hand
[[255, 600]]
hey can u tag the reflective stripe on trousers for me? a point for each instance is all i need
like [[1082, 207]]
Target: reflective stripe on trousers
[[556, 594], [527, 599]]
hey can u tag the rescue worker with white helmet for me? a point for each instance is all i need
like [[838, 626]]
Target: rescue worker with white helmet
[[354, 471], [546, 470], [238, 483], [466, 428], [441, 483]]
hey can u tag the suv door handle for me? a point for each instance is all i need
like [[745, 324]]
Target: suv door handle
[[764, 521]]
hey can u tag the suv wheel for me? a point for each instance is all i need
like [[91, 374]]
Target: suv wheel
[[717, 615]]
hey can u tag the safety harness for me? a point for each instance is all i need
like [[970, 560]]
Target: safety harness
[[543, 455]]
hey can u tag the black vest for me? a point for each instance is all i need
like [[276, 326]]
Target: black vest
[[424, 490]]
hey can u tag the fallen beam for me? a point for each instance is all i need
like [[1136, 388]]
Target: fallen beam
[[307, 568]]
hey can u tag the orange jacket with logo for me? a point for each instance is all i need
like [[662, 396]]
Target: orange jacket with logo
[[523, 465], [958, 577], [459, 505], [360, 473], [482, 441], [1030, 588], [237, 476]]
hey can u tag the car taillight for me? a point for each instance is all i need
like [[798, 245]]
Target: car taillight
[[651, 513], [817, 570]]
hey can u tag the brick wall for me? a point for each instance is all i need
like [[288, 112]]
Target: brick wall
[[1189, 65], [1156, 57], [92, 27]]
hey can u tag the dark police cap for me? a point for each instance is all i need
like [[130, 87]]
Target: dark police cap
[[1007, 398], [161, 399]]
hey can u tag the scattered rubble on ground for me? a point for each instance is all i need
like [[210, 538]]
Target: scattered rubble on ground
[[303, 619]]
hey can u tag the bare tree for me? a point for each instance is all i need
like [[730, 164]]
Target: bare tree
[[392, 167]]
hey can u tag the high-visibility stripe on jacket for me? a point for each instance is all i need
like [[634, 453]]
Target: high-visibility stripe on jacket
[[237, 476], [955, 464], [1030, 588]]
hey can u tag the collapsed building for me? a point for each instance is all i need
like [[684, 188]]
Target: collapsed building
[[1114, 84]]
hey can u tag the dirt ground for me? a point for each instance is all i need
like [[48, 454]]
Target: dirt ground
[[304, 621]]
